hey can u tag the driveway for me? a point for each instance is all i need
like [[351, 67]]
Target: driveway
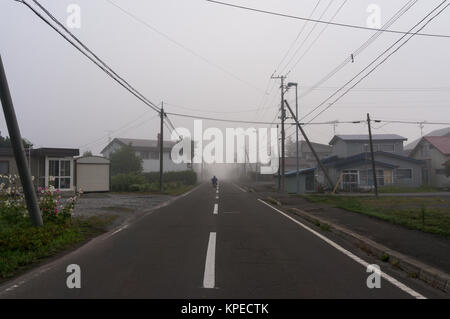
[[125, 206]]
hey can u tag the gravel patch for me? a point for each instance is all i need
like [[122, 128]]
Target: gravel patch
[[124, 206]]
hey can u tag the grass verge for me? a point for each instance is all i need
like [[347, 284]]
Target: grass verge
[[428, 214], [22, 246], [400, 189]]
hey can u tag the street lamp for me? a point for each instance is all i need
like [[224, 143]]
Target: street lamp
[[291, 84]]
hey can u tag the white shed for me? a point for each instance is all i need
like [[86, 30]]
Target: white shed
[[93, 174]]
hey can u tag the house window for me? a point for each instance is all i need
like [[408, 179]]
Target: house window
[[4, 167], [424, 151], [60, 173], [376, 148], [154, 155], [366, 177], [387, 148], [350, 180], [144, 155], [404, 173], [440, 171]]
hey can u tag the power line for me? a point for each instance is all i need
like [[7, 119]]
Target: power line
[[218, 119], [364, 46], [317, 37], [218, 112], [373, 62], [412, 122], [182, 46], [121, 130], [298, 35], [94, 58], [325, 22], [385, 89]]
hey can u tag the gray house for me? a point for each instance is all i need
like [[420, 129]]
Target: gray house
[[148, 150], [435, 151], [306, 158], [350, 162], [60, 167], [49, 166]]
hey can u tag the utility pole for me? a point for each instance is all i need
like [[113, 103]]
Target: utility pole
[[283, 117], [18, 149], [297, 173], [161, 148], [330, 182], [375, 182], [279, 166]]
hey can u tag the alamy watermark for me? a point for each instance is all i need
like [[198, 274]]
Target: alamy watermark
[[74, 18], [374, 18], [74, 279], [374, 279], [239, 145]]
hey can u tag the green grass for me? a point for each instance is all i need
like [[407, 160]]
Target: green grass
[[23, 245], [404, 189], [428, 214], [174, 191]]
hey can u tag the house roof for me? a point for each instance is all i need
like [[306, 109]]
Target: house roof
[[343, 161], [45, 151], [300, 171], [439, 132], [442, 143], [365, 137], [317, 147], [139, 143]]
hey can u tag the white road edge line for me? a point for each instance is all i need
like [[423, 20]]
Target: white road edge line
[[216, 209], [392, 280], [240, 188], [120, 229], [210, 263]]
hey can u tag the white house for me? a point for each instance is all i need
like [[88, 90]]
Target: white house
[[435, 151], [148, 150]]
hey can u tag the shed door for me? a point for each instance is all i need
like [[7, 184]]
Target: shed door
[[93, 177]]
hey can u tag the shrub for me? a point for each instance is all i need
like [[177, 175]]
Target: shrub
[[125, 161], [13, 209], [186, 177], [123, 182]]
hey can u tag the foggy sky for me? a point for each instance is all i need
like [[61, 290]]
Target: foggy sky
[[63, 100]]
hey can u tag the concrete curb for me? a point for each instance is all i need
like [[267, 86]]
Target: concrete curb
[[432, 276]]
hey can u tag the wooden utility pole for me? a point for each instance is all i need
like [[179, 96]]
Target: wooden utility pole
[[283, 117], [161, 148], [330, 182], [375, 182], [18, 149], [279, 167]]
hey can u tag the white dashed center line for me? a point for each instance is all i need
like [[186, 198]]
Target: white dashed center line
[[209, 279]]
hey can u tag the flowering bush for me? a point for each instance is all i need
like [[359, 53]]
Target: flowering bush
[[53, 208]]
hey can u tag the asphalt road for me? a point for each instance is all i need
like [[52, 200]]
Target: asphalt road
[[189, 249]]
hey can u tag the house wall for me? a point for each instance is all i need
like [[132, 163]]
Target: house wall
[[151, 165], [37, 168], [11, 164], [434, 160], [350, 148], [415, 181], [339, 149]]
